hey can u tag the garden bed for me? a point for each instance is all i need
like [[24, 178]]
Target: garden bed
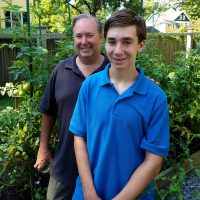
[[170, 172]]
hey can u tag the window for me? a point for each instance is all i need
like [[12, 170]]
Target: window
[[176, 25], [15, 19]]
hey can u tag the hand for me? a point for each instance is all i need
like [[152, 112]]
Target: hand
[[43, 157], [118, 198], [92, 196]]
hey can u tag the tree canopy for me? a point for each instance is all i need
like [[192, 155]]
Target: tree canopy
[[192, 7], [94, 7], [55, 13]]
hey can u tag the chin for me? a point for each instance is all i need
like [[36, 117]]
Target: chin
[[87, 56], [84, 52], [119, 65]]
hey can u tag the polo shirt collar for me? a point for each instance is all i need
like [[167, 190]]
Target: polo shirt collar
[[74, 65], [105, 78], [139, 87], [75, 68]]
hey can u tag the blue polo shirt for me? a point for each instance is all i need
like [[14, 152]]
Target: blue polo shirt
[[119, 129]]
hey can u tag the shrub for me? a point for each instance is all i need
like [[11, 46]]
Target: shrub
[[181, 83], [18, 146]]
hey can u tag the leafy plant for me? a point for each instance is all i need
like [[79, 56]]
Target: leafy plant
[[181, 83], [19, 140]]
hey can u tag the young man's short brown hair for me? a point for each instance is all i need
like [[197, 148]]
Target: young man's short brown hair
[[126, 17]]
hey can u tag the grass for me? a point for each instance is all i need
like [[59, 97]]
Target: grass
[[6, 101]]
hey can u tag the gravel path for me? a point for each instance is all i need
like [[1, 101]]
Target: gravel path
[[191, 188]]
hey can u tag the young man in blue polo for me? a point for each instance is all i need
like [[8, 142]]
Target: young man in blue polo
[[120, 122]]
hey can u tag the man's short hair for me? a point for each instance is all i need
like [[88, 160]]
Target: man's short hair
[[87, 16], [126, 17]]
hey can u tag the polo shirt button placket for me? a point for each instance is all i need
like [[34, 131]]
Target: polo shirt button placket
[[115, 109]]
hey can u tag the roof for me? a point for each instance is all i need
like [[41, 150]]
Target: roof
[[168, 16], [151, 29]]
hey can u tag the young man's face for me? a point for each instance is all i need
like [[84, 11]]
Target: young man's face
[[87, 40], [122, 46]]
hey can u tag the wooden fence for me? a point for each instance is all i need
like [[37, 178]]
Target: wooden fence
[[166, 44], [7, 55]]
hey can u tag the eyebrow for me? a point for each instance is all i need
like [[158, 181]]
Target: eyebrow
[[125, 38], [87, 33]]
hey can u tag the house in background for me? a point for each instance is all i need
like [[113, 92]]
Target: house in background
[[10, 19], [169, 20]]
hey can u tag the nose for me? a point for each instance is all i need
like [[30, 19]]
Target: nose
[[118, 49], [84, 40]]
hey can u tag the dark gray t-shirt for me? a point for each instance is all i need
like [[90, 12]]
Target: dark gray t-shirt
[[59, 100]]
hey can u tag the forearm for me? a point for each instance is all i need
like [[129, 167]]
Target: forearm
[[44, 154], [140, 179], [84, 166], [47, 125]]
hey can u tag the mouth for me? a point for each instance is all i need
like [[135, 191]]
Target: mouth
[[119, 60], [86, 48]]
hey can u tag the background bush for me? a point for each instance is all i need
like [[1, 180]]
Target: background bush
[[181, 83]]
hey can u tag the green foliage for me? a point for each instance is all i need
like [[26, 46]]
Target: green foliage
[[34, 63], [96, 7], [52, 14], [15, 90], [175, 188], [192, 7], [65, 48], [15, 9], [19, 131], [56, 15], [184, 98], [148, 8], [181, 83], [6, 101]]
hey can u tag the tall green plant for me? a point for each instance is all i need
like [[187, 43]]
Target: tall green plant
[[19, 140], [181, 83]]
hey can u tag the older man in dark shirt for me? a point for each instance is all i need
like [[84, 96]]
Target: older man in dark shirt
[[59, 101]]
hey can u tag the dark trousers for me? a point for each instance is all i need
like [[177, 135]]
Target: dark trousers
[[58, 191]]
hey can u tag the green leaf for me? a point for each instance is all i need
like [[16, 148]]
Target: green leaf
[[20, 148]]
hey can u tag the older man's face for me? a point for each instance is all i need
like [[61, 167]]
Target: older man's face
[[87, 39]]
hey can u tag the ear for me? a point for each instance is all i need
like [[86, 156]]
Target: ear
[[141, 46], [101, 35]]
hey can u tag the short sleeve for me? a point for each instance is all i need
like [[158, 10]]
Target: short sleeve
[[48, 103], [157, 137], [79, 117]]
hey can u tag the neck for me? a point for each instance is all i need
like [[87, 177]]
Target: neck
[[123, 75], [122, 79], [88, 66]]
